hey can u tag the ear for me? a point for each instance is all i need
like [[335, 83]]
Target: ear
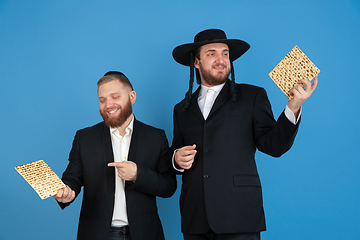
[[132, 97], [196, 63]]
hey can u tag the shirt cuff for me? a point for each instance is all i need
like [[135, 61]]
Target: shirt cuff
[[291, 116], [173, 163]]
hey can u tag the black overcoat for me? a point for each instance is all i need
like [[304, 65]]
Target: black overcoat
[[222, 190]]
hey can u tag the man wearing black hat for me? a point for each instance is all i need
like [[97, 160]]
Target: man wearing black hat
[[123, 164], [217, 130]]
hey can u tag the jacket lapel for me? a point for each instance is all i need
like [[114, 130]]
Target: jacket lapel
[[135, 138], [221, 98], [134, 141], [109, 157], [194, 105]]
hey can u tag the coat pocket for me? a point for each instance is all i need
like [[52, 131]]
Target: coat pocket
[[247, 181]]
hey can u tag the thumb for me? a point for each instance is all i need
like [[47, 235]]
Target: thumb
[[59, 193]]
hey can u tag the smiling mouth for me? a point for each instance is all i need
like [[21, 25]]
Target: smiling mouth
[[219, 67], [113, 111]]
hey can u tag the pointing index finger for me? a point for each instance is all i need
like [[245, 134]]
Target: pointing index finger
[[114, 164]]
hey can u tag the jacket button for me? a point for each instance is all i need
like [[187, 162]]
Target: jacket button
[[206, 176], [205, 150]]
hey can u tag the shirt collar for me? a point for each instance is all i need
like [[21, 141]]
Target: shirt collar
[[204, 89], [128, 130]]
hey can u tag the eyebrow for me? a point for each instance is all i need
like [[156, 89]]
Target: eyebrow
[[111, 94], [213, 50]]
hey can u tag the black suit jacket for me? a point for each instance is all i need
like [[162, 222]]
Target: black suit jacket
[[90, 154], [222, 189]]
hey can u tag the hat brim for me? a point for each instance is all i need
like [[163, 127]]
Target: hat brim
[[182, 53]]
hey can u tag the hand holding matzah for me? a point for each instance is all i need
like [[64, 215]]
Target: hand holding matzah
[[65, 195], [300, 94], [40, 176], [293, 75]]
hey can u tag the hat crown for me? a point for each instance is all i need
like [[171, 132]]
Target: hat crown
[[210, 35], [182, 53]]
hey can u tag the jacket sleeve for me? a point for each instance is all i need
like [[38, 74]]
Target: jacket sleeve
[[271, 137], [160, 181], [178, 141], [72, 176]]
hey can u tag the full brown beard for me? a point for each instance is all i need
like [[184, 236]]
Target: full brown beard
[[214, 80], [115, 122]]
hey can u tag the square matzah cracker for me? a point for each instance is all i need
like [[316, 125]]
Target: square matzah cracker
[[40, 176], [294, 67]]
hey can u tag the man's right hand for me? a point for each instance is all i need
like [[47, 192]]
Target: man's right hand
[[184, 157], [65, 195]]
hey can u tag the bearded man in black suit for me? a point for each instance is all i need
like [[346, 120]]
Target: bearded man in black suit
[[122, 165], [217, 130]]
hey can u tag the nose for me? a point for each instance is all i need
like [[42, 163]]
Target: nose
[[109, 103], [221, 58]]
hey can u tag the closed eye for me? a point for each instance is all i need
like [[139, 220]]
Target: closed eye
[[115, 95]]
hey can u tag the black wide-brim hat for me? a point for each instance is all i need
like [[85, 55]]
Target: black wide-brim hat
[[182, 53]]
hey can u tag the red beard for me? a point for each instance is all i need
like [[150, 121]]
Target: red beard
[[115, 122], [214, 80]]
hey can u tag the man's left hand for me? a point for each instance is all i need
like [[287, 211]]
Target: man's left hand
[[300, 94], [127, 170]]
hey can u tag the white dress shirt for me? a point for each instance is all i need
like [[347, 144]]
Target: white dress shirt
[[120, 145], [202, 97]]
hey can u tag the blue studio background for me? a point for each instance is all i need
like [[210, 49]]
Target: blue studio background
[[53, 52]]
